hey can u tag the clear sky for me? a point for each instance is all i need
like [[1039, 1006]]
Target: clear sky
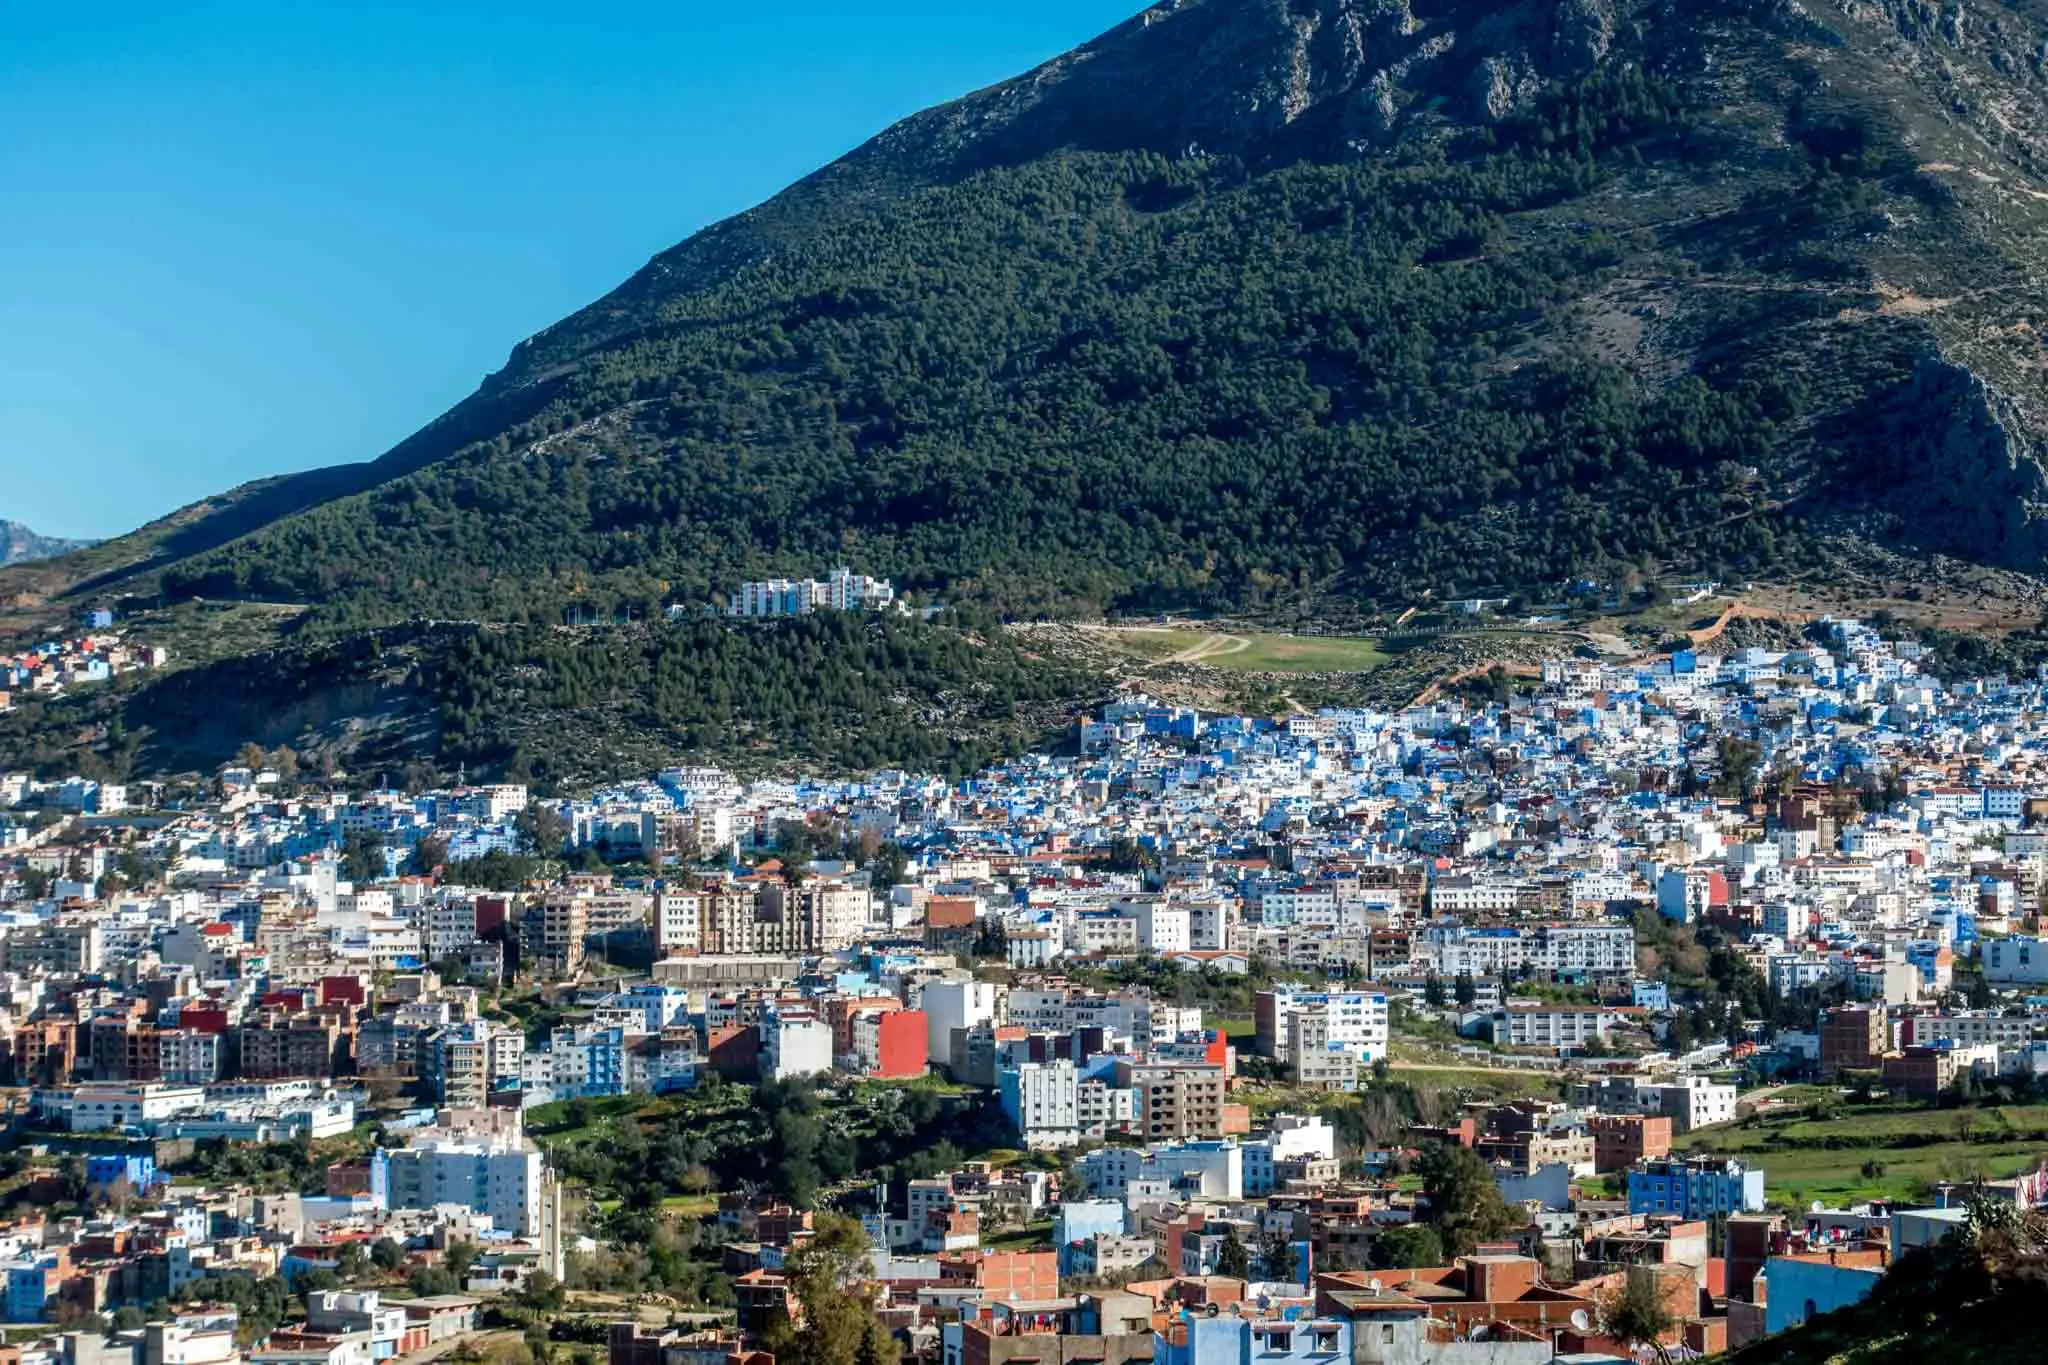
[[242, 237]]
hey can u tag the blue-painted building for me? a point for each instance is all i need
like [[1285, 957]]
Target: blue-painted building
[[1295, 1338], [1801, 1288], [1080, 1219], [31, 1284], [105, 1173], [1698, 1188]]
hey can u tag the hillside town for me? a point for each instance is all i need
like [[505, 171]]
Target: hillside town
[[55, 665], [1638, 1012]]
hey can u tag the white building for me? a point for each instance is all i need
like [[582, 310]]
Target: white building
[[1560, 1026], [950, 1005], [1358, 1020], [91, 1108], [1042, 1100], [2021, 960], [492, 1173], [795, 1043], [1692, 1103], [1164, 928], [678, 920]]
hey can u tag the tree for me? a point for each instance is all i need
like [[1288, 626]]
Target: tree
[[429, 855], [836, 1326], [992, 939], [1279, 1257], [387, 1254], [1465, 1205], [1637, 1316], [1406, 1248], [542, 830], [1466, 990], [351, 1263], [1232, 1259], [889, 865], [543, 1293], [362, 858], [1433, 991]]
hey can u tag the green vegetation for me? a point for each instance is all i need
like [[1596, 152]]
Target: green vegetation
[[786, 1138], [1077, 380], [1850, 1153], [1113, 338], [1256, 652], [1029, 1237], [832, 1326], [1462, 1202], [1973, 1301], [557, 706]]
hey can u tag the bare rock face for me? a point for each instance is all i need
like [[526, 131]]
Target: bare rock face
[[1584, 31]]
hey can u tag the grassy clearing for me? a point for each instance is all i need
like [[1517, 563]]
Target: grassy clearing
[[1239, 1028], [1030, 1237], [691, 1205], [1483, 1084], [1882, 1151], [1304, 654], [1251, 653], [1155, 645], [1465, 1081]]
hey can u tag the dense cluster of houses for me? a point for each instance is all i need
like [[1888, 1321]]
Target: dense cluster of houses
[[276, 961], [55, 665]]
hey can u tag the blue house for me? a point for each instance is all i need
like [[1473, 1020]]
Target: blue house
[[1294, 1338], [1081, 1219], [1804, 1287], [105, 1174], [1699, 1188]]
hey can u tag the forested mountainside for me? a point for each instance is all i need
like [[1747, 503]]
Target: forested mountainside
[[1252, 300], [565, 709]]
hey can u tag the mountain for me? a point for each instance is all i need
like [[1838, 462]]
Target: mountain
[[1266, 306], [19, 545]]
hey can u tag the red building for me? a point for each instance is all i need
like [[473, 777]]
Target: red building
[[344, 989], [899, 1043], [206, 1018], [491, 914]]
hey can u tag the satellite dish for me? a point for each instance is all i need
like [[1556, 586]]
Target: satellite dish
[[1478, 1333], [1816, 1207], [1374, 1286], [1581, 1320]]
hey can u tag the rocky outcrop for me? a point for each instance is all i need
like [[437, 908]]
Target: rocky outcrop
[[1967, 473], [19, 545]]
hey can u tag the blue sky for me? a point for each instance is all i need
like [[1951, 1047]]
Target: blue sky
[[248, 238]]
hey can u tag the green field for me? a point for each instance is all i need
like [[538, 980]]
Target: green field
[[1030, 1237], [1805, 1159], [1252, 653]]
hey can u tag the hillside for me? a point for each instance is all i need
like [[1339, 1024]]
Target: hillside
[[1252, 299], [1975, 1301], [1276, 307], [19, 545], [566, 709]]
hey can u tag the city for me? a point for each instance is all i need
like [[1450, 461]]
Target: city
[[1550, 1024]]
